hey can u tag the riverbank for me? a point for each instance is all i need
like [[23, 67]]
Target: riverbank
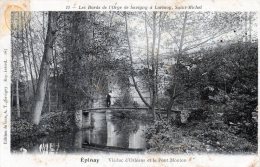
[[53, 122], [210, 135], [202, 135]]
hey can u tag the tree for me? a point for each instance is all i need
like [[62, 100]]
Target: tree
[[174, 94], [29, 58], [193, 35], [44, 70], [17, 84], [131, 62], [149, 73], [23, 54]]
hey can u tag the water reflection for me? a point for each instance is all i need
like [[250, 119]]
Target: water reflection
[[50, 144], [49, 148], [107, 132], [114, 132]]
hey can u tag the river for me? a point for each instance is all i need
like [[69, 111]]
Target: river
[[108, 133]]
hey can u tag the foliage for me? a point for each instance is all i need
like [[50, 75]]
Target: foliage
[[209, 70], [133, 114], [224, 79], [22, 129], [53, 122], [125, 100], [209, 136], [166, 138], [232, 72], [87, 64]]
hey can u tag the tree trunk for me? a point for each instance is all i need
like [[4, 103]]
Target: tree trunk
[[131, 61], [174, 95], [36, 69], [43, 26], [56, 77], [44, 71], [17, 83], [147, 59], [17, 93], [153, 66], [171, 102], [182, 37], [157, 58], [30, 63], [24, 61]]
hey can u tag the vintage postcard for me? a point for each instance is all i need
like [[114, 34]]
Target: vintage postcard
[[129, 83]]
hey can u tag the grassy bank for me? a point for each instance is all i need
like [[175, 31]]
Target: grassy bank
[[22, 129], [210, 135]]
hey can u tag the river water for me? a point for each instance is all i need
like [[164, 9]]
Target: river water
[[108, 133]]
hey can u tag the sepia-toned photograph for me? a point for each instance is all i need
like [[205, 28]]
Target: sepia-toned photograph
[[180, 82]]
